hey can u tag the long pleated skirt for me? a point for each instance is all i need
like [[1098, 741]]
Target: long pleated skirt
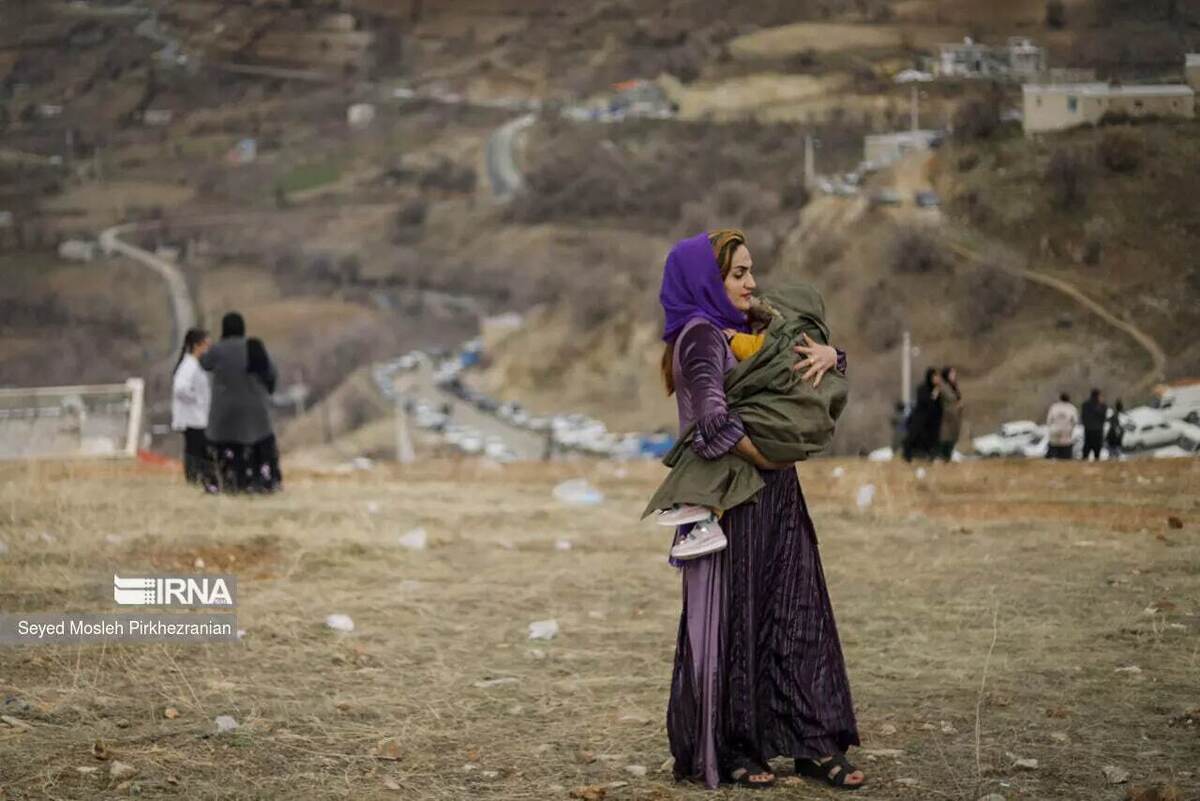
[[758, 668]]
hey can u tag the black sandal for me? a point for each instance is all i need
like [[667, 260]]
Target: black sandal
[[833, 771], [745, 769]]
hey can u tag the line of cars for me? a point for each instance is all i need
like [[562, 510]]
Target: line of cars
[[1146, 430], [567, 432]]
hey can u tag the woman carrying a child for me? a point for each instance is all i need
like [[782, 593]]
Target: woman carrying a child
[[758, 668]]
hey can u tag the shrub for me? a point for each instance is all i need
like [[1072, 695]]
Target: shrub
[[879, 316], [992, 295], [978, 118], [913, 250], [1121, 150], [1067, 178], [1056, 14]]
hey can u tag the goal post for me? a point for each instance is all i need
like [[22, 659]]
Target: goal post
[[98, 421]]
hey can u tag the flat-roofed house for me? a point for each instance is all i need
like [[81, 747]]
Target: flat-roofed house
[[1056, 107]]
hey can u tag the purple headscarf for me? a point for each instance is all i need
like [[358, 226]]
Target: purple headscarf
[[692, 287]]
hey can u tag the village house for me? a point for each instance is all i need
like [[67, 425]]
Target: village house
[[1057, 107], [1018, 59], [1192, 69], [882, 150]]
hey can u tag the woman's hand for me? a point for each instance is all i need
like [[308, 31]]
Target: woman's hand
[[750, 452], [818, 359]]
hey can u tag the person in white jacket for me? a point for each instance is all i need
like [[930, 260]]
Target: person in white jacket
[[191, 397]]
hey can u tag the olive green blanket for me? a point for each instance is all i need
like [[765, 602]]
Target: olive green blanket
[[785, 417]]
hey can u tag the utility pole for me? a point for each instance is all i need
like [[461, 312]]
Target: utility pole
[[916, 116], [906, 369], [810, 162], [404, 448]]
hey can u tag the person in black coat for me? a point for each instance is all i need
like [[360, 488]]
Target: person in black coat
[[1093, 413], [925, 422]]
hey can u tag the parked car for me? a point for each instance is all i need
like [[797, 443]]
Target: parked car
[[1010, 440], [1146, 428], [927, 199], [1181, 402]]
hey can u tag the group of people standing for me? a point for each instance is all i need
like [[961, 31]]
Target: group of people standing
[[932, 428], [220, 401], [1101, 427]]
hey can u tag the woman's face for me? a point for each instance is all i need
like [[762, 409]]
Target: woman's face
[[739, 283], [201, 347]]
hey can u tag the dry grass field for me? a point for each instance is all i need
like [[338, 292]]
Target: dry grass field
[[989, 611]]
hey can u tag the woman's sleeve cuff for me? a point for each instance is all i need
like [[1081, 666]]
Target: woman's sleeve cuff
[[716, 435]]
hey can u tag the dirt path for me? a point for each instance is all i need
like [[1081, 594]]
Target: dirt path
[[183, 310], [1158, 356], [912, 174]]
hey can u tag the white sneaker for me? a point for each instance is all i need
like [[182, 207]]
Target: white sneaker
[[682, 515], [705, 537]]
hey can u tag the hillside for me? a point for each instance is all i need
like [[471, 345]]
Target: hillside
[[346, 243]]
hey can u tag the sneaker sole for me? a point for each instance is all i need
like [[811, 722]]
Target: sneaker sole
[[682, 521], [708, 548]]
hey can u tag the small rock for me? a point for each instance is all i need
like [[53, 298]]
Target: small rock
[[173, 780], [416, 539], [640, 720], [1115, 775], [391, 784], [489, 774], [838, 471], [562, 545], [121, 723], [543, 629], [928, 727], [616, 785], [470, 766], [225, 723], [86, 771], [339, 623], [920, 474], [907, 782], [241, 633], [887, 730], [487, 684], [1128, 669], [100, 750], [544, 748], [636, 770], [1025, 764], [1059, 736], [16, 723], [113, 539], [992, 797], [948, 727], [170, 713], [120, 771], [198, 564], [590, 792], [595, 615], [668, 766], [1174, 522], [388, 749]]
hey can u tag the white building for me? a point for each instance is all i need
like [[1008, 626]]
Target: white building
[[882, 150], [1018, 59], [1057, 107], [1192, 69]]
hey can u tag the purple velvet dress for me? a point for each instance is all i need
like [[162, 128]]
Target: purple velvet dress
[[758, 668]]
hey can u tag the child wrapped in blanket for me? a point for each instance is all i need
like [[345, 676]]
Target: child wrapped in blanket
[[786, 417]]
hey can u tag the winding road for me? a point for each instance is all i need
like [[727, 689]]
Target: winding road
[[183, 310]]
